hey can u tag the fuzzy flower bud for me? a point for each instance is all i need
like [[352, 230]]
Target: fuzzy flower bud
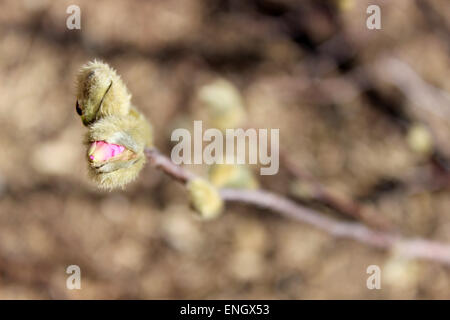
[[116, 149], [205, 198], [100, 92], [223, 103], [232, 176], [420, 140], [118, 133]]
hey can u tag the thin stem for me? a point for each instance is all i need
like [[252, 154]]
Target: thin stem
[[167, 166], [412, 248]]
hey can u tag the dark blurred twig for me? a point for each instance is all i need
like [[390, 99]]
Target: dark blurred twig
[[421, 94], [423, 97], [435, 20], [412, 248], [344, 205]]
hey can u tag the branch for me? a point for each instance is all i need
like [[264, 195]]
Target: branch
[[421, 94], [411, 248], [163, 163], [427, 100]]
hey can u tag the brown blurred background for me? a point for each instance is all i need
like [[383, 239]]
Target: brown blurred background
[[356, 109]]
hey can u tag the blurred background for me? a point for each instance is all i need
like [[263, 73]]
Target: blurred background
[[365, 113]]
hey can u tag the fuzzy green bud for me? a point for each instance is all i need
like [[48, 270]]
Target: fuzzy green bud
[[237, 176], [420, 140], [100, 92], [116, 149], [205, 198], [223, 103], [117, 132]]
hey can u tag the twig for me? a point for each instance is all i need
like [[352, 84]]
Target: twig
[[436, 21], [412, 248], [421, 94], [167, 166], [426, 100]]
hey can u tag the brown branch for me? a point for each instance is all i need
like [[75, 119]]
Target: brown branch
[[412, 248], [160, 161], [422, 95], [431, 105]]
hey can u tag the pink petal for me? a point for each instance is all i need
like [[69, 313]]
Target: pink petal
[[101, 151]]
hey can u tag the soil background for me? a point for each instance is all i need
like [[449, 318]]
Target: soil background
[[310, 68]]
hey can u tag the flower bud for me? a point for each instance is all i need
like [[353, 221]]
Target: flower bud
[[232, 176], [116, 149], [118, 133], [420, 140], [223, 103], [100, 92], [205, 198]]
